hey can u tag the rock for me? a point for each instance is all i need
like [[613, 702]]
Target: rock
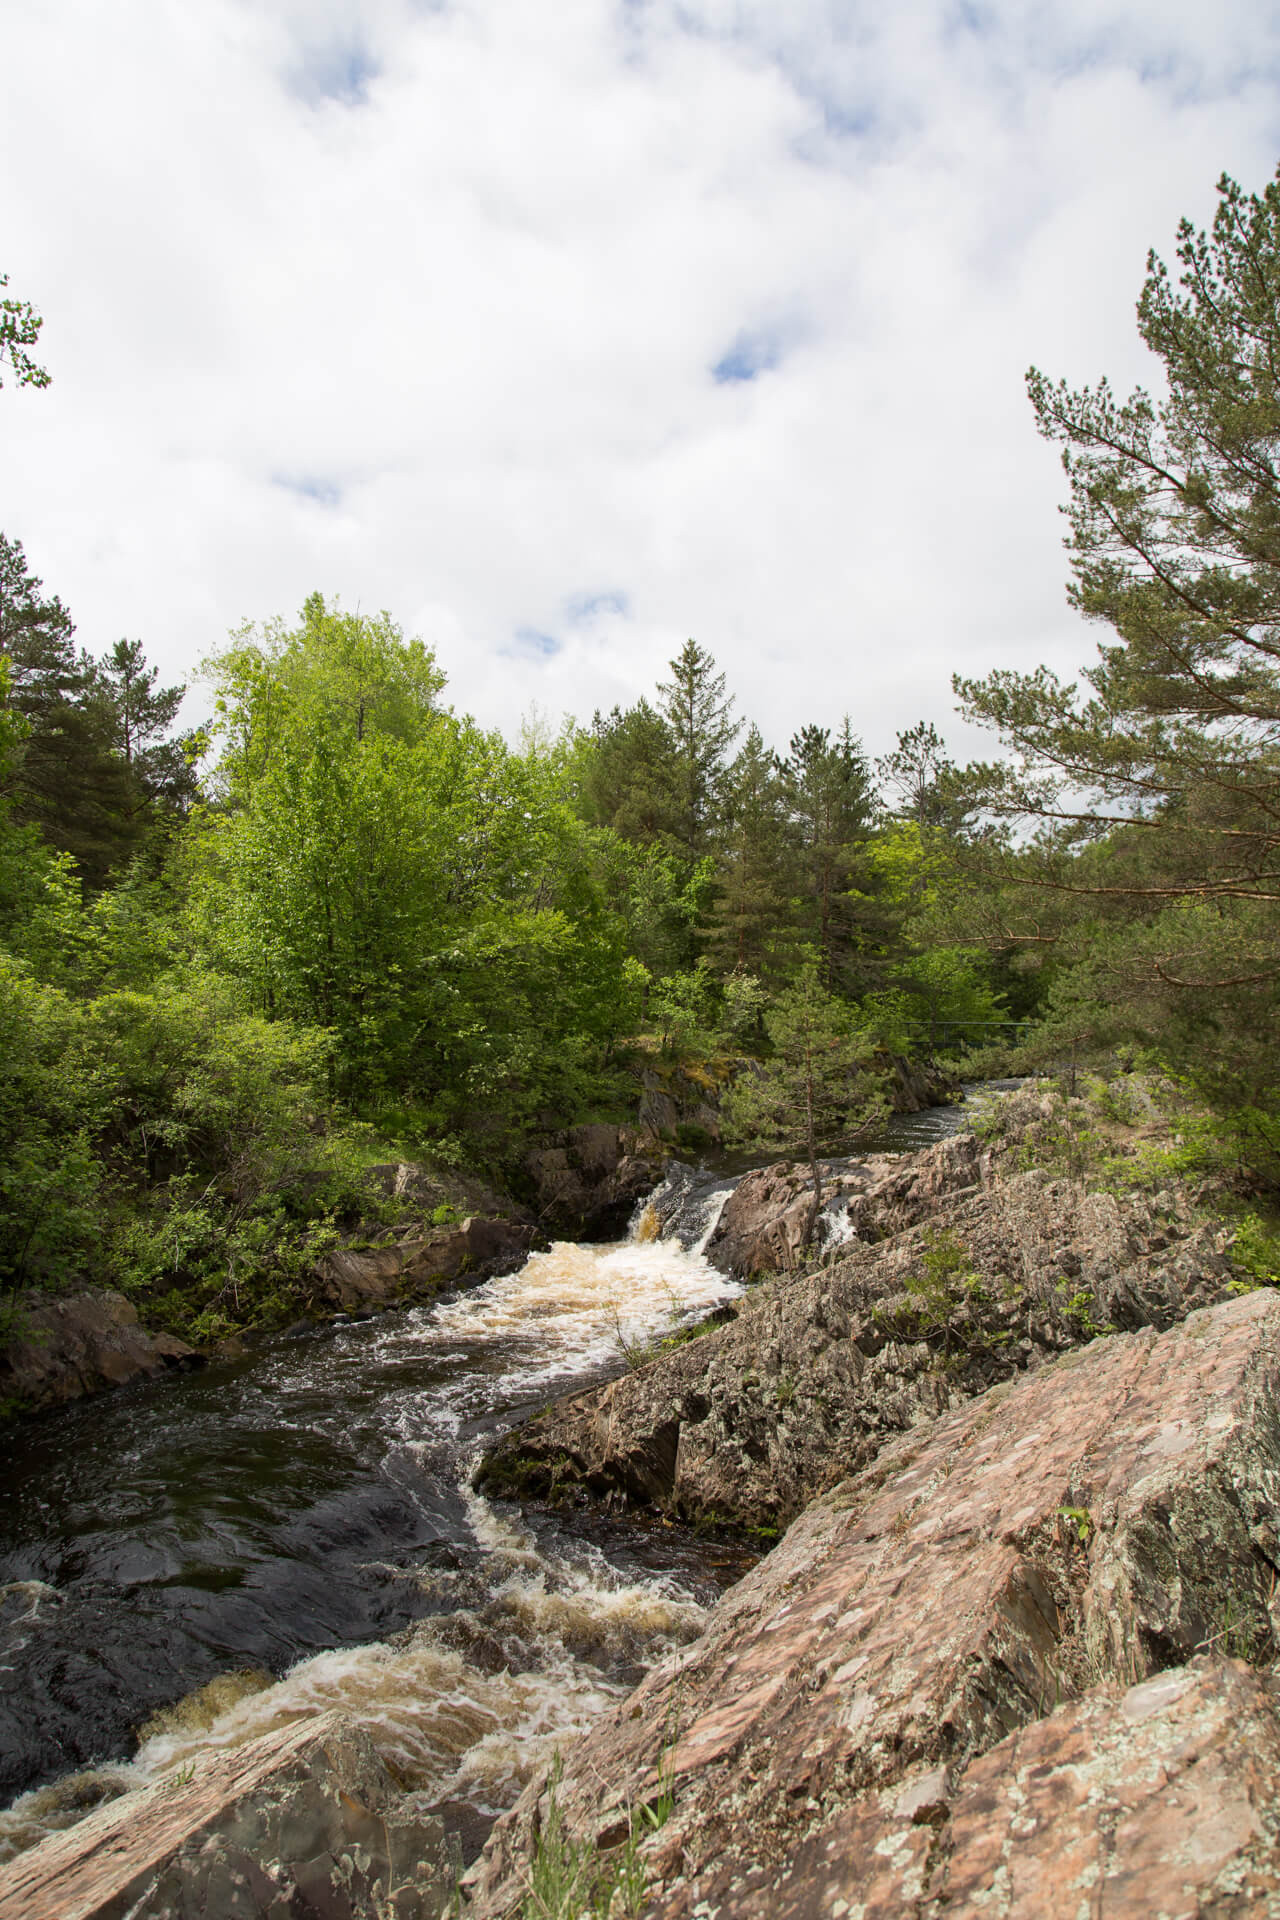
[[916, 1084], [1028, 1557], [355, 1277], [996, 1273], [589, 1181], [763, 1223], [81, 1343], [303, 1822], [1161, 1798]]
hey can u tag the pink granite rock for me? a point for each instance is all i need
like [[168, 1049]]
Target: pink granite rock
[[1104, 1519]]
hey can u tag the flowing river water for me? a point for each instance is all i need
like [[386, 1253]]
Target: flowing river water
[[196, 1560]]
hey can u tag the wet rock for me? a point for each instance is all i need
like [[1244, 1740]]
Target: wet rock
[[764, 1223], [81, 1343], [303, 1823], [356, 1277], [998, 1272], [589, 1180], [1028, 1557]]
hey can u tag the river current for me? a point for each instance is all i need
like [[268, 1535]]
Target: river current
[[196, 1560]]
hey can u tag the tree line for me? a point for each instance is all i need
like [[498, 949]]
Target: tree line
[[236, 963]]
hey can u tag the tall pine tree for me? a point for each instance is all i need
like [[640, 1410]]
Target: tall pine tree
[[752, 924], [698, 713], [68, 781], [829, 793]]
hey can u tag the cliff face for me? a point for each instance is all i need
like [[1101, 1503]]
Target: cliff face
[[963, 1272], [989, 1674]]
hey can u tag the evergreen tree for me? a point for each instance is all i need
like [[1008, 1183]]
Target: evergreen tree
[[68, 781], [752, 924], [1156, 793], [814, 1091], [698, 714], [161, 769], [629, 780], [915, 774], [829, 793]]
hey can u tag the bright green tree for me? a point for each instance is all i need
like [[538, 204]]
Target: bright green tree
[[385, 870]]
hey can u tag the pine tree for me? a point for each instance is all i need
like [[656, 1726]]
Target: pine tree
[[698, 714], [752, 924], [67, 781], [1155, 789], [161, 769], [814, 1091], [914, 774], [629, 782], [829, 793]]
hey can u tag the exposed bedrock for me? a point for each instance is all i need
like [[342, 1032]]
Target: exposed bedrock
[[587, 1182], [967, 1277], [302, 1824], [989, 1674]]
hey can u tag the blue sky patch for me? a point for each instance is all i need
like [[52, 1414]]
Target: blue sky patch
[[533, 640], [310, 486], [585, 606], [340, 72], [750, 355]]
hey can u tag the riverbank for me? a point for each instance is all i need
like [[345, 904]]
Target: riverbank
[[1081, 1509], [388, 1235]]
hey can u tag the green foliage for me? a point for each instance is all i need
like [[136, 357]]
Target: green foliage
[[569, 1879], [1152, 793], [388, 872], [683, 1005], [1081, 1522], [20, 326], [814, 1089], [172, 1139], [941, 1001], [1255, 1246]]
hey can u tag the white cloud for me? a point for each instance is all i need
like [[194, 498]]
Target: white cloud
[[422, 305]]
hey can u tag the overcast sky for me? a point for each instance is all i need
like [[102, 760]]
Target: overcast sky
[[565, 331]]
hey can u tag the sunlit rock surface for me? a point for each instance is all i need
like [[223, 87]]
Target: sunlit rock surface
[[958, 1271], [1006, 1582]]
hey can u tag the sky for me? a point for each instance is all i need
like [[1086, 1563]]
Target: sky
[[566, 332]]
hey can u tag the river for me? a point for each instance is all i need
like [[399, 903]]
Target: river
[[195, 1560]]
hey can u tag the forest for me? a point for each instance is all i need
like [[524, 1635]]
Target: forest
[[342, 922]]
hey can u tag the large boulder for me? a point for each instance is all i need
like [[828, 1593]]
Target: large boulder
[[855, 1733], [302, 1824], [80, 1343], [354, 1278]]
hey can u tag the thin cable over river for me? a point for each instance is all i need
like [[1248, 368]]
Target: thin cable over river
[[296, 1530]]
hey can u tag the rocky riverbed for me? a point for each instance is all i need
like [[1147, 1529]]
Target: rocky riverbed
[[1012, 1654]]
